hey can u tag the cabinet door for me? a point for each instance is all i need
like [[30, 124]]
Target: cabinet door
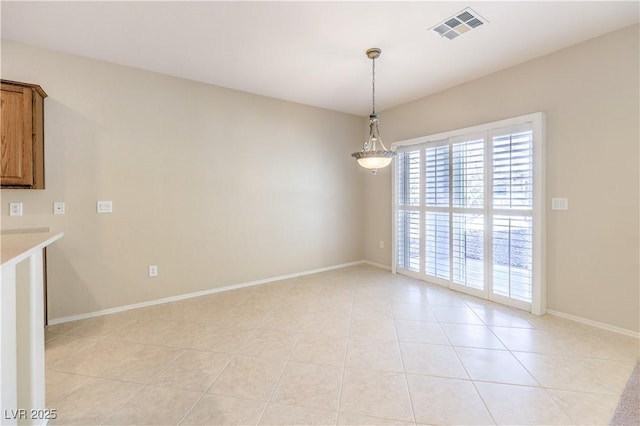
[[16, 147]]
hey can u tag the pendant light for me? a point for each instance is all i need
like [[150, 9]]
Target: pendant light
[[374, 155]]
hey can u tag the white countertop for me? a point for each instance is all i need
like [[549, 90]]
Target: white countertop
[[18, 246]]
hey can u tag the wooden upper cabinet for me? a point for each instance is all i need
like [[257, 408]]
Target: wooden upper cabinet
[[22, 130]]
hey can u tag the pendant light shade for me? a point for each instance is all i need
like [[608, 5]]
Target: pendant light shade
[[374, 154]]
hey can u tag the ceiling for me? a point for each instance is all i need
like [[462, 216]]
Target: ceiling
[[313, 52]]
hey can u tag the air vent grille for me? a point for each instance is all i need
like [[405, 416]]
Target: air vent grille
[[452, 23], [465, 16], [458, 24]]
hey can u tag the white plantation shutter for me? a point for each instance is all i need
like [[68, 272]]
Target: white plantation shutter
[[468, 174], [437, 244], [408, 166], [512, 257], [436, 173], [408, 213], [409, 240], [466, 208], [468, 250], [437, 176], [513, 170], [467, 163], [512, 187]]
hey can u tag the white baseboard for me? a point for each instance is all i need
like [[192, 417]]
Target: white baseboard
[[378, 265], [597, 324], [102, 312], [202, 293]]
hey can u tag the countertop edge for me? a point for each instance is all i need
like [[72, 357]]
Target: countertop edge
[[21, 246]]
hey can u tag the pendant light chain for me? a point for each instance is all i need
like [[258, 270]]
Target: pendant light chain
[[373, 82]]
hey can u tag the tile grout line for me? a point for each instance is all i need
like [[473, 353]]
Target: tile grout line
[[100, 378], [538, 386], [486, 406], [235, 355], [404, 369], [183, 351], [113, 413], [547, 389], [217, 376], [94, 377], [346, 353], [208, 387], [284, 367]]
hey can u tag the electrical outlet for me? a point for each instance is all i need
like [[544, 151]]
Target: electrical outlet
[[105, 207], [153, 270], [15, 209], [381, 244], [559, 204], [58, 207]]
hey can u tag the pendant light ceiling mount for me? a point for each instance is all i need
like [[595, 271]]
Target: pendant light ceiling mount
[[373, 53], [374, 154]]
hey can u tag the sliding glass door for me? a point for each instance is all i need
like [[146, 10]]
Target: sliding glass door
[[464, 212]]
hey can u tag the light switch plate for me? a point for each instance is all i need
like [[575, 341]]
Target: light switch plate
[[58, 207], [153, 270], [559, 204], [105, 207], [15, 209]]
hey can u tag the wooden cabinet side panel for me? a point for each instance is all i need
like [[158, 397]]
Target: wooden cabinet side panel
[[27, 145], [16, 144], [38, 141]]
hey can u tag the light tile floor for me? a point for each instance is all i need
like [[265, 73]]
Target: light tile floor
[[350, 346]]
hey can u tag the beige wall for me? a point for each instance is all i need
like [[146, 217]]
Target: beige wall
[[211, 185], [590, 95], [215, 186]]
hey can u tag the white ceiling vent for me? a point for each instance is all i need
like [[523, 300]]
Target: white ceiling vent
[[458, 24]]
